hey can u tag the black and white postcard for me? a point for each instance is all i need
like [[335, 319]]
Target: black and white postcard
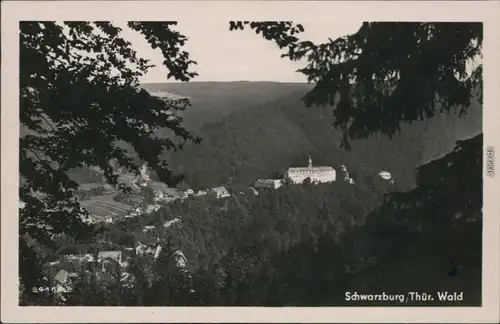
[[250, 161]]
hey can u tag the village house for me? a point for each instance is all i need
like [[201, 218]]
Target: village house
[[90, 219], [171, 222], [347, 177], [63, 278], [63, 283], [181, 259], [109, 258], [148, 228], [79, 257], [145, 172], [253, 191], [268, 183], [163, 192], [385, 175], [71, 263], [220, 192], [127, 279], [153, 249], [200, 193], [152, 208], [94, 219]]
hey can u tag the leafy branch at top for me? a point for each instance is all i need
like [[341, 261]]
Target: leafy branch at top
[[386, 73], [80, 98]]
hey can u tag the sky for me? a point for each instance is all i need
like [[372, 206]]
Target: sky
[[224, 55]]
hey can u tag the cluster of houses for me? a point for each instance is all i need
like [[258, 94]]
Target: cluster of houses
[[133, 212], [62, 274], [162, 195], [167, 224], [347, 177]]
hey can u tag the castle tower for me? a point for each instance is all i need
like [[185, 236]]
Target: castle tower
[[310, 162]]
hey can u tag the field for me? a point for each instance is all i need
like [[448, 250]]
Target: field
[[106, 206]]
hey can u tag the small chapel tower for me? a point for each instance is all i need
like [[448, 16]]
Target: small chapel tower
[[145, 172], [310, 162]]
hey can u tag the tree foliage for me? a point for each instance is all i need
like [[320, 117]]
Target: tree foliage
[[386, 73], [245, 249], [79, 101], [80, 97]]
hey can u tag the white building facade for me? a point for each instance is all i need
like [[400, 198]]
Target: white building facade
[[317, 174], [220, 192]]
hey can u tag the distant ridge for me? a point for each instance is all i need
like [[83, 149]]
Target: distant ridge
[[211, 101], [262, 140]]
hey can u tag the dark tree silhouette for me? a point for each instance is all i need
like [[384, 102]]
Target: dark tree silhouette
[[386, 73], [79, 101]]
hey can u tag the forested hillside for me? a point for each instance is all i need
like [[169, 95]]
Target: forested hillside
[[265, 139], [259, 129], [314, 242], [247, 242], [300, 245], [212, 100]]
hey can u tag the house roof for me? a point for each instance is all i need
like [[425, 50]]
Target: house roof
[[385, 175], [163, 188], [220, 189], [29, 240], [83, 257], [88, 186], [61, 276], [116, 255], [253, 190], [180, 254], [148, 243], [170, 222], [268, 180]]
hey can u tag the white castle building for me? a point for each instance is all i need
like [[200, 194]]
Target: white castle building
[[317, 174]]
